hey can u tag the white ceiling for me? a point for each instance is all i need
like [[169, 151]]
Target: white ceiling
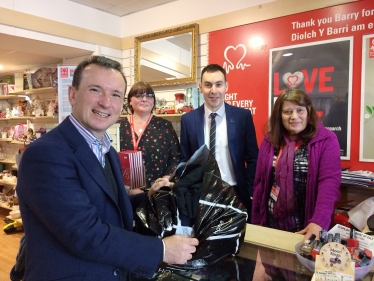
[[122, 7], [20, 54]]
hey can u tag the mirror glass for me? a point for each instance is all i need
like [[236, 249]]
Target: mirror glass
[[167, 57]]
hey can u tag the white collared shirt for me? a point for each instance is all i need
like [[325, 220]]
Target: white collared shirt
[[223, 157]]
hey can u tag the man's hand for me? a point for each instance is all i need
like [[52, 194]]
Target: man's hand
[[135, 191], [179, 248], [158, 184]]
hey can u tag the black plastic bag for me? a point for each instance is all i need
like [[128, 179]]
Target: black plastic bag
[[219, 220]]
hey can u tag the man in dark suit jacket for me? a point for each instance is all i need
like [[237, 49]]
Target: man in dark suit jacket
[[236, 145], [77, 215]]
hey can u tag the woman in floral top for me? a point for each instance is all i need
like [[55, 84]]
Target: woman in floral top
[[152, 135]]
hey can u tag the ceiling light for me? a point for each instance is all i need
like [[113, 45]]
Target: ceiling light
[[1, 67], [287, 54]]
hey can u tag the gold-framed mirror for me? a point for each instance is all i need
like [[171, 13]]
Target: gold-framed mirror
[[167, 57]]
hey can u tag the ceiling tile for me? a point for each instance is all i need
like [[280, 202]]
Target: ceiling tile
[[122, 7]]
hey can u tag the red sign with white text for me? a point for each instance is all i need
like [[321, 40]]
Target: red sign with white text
[[246, 54]]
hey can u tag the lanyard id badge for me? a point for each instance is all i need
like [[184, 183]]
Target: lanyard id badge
[[274, 192]]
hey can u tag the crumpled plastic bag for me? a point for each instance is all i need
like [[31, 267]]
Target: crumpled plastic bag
[[358, 215], [220, 219]]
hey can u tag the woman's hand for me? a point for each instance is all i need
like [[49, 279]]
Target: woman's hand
[[311, 228], [158, 184]]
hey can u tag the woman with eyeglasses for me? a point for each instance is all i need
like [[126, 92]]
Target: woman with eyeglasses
[[154, 136]]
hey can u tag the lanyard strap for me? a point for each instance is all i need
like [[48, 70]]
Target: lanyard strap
[[134, 142]]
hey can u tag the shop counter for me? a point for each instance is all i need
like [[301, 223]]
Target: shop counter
[[276, 261]]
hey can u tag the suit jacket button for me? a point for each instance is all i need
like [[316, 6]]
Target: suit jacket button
[[116, 272]]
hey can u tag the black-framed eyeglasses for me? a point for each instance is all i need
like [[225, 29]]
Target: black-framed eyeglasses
[[147, 95]]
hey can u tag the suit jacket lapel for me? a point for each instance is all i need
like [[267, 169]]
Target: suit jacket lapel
[[231, 128], [85, 155], [199, 125], [94, 169]]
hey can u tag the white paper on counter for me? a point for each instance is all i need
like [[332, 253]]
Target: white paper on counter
[[359, 215]]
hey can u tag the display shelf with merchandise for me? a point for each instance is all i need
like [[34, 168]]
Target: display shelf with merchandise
[[6, 196], [42, 96], [9, 145]]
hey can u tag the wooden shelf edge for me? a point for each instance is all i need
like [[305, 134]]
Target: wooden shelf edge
[[9, 97], [159, 115], [39, 91], [4, 206], [52, 118], [7, 162]]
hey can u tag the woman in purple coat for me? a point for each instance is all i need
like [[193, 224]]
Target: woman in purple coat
[[298, 170]]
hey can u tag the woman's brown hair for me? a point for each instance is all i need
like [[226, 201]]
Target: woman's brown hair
[[277, 130], [140, 88]]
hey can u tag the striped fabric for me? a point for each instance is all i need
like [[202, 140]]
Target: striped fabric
[[99, 148], [212, 135]]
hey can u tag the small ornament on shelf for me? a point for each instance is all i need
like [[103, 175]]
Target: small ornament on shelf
[[39, 111], [51, 109], [14, 112], [7, 113], [55, 106], [42, 131]]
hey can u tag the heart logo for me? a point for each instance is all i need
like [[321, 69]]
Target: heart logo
[[319, 113], [239, 65], [293, 80]]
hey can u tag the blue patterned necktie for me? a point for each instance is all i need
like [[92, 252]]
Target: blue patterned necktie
[[212, 135]]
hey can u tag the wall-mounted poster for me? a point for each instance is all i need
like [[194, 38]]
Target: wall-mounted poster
[[367, 100], [323, 71], [64, 80]]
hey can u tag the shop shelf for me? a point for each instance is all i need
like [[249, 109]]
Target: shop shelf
[[39, 91]]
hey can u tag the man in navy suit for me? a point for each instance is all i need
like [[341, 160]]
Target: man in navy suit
[[236, 146], [76, 213]]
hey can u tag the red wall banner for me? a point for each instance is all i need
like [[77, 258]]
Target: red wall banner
[[245, 53]]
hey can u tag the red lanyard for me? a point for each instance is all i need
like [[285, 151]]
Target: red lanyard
[[298, 144], [134, 142]]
